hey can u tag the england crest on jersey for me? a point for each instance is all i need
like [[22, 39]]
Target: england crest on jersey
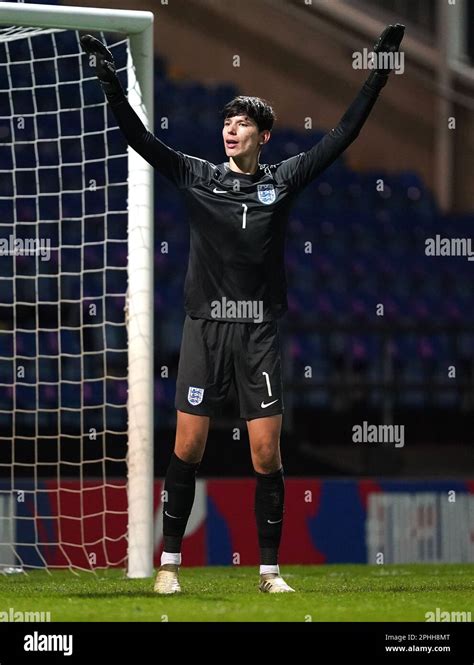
[[266, 194], [195, 395]]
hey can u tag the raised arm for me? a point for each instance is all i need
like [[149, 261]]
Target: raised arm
[[298, 171], [181, 169]]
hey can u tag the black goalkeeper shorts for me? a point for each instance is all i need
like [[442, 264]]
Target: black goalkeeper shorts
[[215, 353]]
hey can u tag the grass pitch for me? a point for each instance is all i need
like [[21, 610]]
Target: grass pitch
[[324, 593]]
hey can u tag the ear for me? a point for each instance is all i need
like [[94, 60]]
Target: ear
[[265, 136]]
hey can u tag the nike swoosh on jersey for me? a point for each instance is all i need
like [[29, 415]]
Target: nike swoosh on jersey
[[219, 191], [274, 522], [264, 406], [172, 516]]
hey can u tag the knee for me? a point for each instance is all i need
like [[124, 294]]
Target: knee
[[266, 456], [190, 451]]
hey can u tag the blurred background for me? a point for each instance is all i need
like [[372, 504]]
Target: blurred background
[[352, 247]]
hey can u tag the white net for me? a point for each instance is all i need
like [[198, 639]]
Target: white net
[[63, 337]]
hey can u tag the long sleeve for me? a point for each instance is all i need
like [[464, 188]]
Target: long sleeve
[[298, 171], [183, 170]]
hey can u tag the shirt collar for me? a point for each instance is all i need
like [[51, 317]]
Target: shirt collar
[[224, 172]]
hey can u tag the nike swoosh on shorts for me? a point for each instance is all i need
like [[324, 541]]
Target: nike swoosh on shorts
[[264, 406]]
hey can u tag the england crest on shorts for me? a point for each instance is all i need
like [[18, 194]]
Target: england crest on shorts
[[266, 194], [195, 395]]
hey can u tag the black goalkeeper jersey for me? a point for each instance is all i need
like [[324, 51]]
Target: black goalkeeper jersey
[[236, 268]]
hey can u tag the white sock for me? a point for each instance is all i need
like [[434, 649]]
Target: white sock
[[265, 570], [171, 557]]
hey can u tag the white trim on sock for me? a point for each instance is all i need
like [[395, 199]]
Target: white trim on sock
[[171, 557], [266, 570]]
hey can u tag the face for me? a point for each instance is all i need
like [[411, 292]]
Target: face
[[241, 136]]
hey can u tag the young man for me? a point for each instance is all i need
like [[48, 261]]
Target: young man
[[235, 291]]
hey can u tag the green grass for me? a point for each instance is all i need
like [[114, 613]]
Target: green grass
[[324, 593]]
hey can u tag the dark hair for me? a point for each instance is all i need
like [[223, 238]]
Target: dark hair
[[255, 108]]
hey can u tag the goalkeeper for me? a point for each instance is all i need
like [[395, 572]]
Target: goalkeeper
[[235, 291]]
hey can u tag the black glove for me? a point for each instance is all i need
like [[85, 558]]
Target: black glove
[[104, 65], [388, 42]]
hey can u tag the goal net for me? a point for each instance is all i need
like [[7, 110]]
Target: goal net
[[76, 254]]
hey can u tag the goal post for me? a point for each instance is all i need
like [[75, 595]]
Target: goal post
[[137, 28]]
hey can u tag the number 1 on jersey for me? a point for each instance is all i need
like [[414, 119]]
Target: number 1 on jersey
[[244, 217]]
